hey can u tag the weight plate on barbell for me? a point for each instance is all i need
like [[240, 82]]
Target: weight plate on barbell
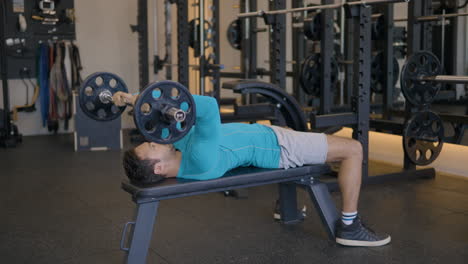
[[234, 34], [420, 64], [311, 74], [150, 119], [423, 136], [90, 100], [378, 74]]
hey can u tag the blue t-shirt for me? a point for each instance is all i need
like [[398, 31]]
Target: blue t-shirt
[[211, 149]]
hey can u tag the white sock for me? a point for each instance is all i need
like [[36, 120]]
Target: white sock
[[348, 217]]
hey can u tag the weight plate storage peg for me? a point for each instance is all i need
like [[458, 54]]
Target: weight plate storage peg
[[423, 136], [95, 96], [164, 112], [419, 65]]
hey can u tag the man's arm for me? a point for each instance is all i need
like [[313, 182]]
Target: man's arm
[[208, 121], [203, 144], [121, 98]]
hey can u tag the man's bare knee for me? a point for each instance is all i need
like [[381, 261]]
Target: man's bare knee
[[355, 150], [351, 149], [340, 148]]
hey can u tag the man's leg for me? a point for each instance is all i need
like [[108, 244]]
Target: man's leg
[[349, 152], [350, 231], [299, 148]]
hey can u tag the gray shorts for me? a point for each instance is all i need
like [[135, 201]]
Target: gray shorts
[[299, 148]]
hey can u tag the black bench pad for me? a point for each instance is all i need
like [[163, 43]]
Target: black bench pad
[[236, 178]]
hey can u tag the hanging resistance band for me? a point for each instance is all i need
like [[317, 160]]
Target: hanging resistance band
[[65, 92], [76, 67], [52, 122], [43, 76]]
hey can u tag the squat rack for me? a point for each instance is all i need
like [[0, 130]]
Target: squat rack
[[359, 14]]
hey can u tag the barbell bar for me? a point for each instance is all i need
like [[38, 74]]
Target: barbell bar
[[170, 113], [444, 79], [260, 13], [439, 17], [221, 66], [106, 98], [339, 61], [428, 18]]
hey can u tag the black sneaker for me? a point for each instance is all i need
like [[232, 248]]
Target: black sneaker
[[277, 211], [357, 234]]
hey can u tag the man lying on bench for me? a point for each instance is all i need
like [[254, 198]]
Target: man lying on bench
[[211, 149]]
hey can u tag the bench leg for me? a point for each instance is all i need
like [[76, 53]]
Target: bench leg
[[288, 204], [325, 206], [142, 232]]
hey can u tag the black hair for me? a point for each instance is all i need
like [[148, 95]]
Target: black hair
[[140, 171]]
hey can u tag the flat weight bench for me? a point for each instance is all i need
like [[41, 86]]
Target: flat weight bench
[[147, 199]]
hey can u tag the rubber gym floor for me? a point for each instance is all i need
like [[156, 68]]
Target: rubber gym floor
[[58, 206]]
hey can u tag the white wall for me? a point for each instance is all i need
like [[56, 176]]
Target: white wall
[[106, 44], [106, 41], [28, 123], [230, 58]]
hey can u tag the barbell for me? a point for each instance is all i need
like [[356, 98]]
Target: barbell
[[421, 78], [261, 13], [429, 18], [164, 112]]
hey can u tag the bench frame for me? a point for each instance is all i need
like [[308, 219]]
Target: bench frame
[[147, 206]]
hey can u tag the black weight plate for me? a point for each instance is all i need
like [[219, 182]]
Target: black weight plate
[[378, 28], [149, 118], [194, 33], [312, 27], [88, 96], [310, 77], [423, 136], [378, 74], [420, 64], [234, 34]]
